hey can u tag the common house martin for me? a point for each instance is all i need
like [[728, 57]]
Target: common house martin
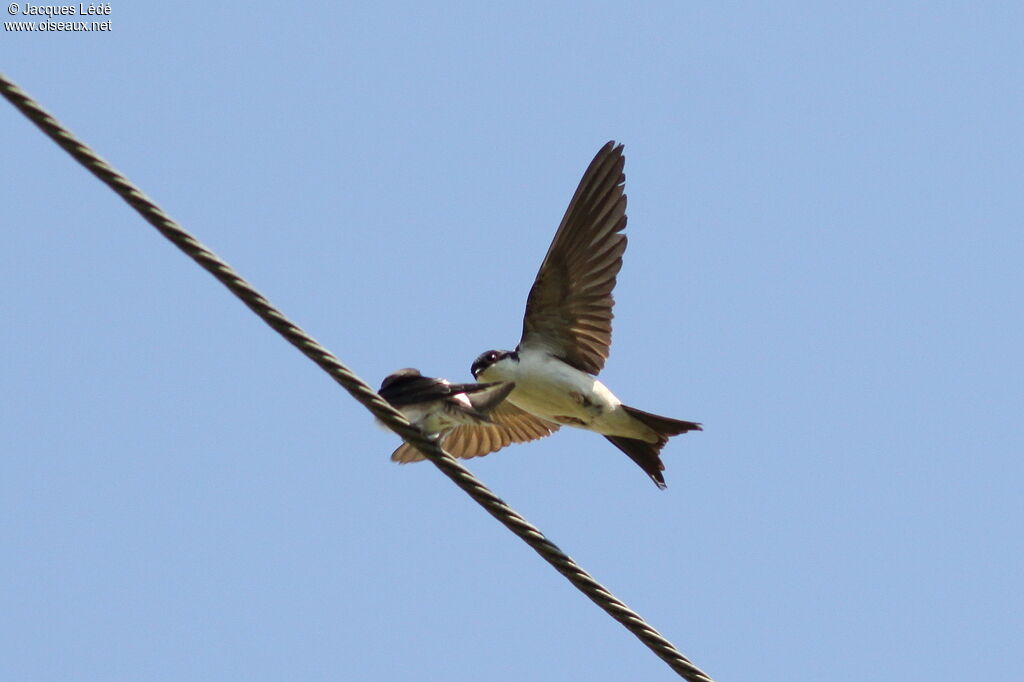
[[567, 329], [471, 419]]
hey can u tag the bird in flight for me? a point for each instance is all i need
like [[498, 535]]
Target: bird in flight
[[567, 331], [471, 419]]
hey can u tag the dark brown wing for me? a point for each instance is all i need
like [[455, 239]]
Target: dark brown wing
[[569, 311], [511, 425], [408, 387]]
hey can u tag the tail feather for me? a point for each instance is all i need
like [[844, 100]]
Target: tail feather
[[644, 454], [647, 455], [663, 426]]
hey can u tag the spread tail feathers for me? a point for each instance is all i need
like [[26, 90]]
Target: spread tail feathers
[[645, 454]]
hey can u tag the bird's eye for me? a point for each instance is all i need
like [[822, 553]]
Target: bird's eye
[[485, 360]]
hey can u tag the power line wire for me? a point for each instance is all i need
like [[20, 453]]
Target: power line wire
[[359, 390]]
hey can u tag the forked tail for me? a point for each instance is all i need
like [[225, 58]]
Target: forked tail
[[647, 455]]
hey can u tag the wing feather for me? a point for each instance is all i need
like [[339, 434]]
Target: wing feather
[[569, 310], [511, 425]]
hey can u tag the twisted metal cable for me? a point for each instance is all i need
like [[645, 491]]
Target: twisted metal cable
[[359, 390]]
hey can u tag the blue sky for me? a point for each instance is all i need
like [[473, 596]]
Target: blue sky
[[824, 267]]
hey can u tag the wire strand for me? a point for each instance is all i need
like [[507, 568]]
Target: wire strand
[[359, 390]]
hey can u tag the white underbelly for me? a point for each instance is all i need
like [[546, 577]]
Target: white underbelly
[[550, 405], [551, 389]]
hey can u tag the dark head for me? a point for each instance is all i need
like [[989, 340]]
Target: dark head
[[399, 376], [487, 359]]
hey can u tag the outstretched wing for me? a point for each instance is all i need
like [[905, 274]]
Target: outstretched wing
[[510, 425], [569, 311]]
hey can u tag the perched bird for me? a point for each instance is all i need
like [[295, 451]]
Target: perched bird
[[567, 328], [470, 418]]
